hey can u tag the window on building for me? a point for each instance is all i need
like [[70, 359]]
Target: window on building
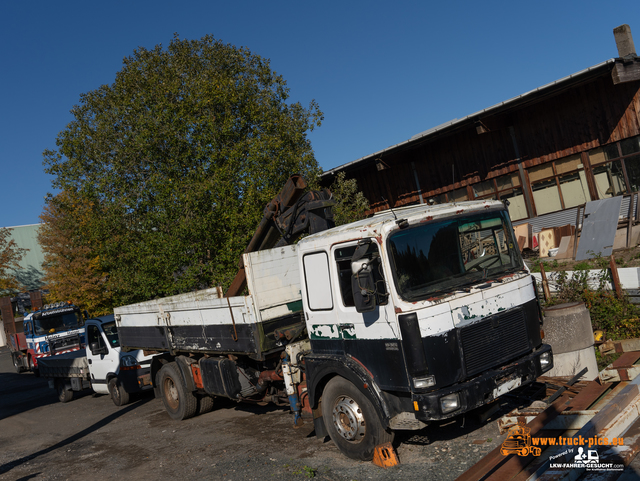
[[438, 199], [458, 195], [560, 184], [607, 171], [506, 187]]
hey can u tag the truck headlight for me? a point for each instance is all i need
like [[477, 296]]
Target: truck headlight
[[129, 362], [545, 361], [449, 403], [424, 382]]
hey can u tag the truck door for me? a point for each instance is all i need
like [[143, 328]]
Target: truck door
[[335, 326], [101, 358]]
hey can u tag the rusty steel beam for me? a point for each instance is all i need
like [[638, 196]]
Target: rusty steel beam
[[614, 417], [626, 345], [498, 467], [622, 373], [491, 466]]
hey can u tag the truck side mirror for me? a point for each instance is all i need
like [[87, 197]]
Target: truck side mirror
[[363, 285], [96, 349]]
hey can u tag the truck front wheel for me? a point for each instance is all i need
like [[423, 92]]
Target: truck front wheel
[[351, 420], [64, 393], [33, 368], [119, 395], [17, 362], [179, 403]]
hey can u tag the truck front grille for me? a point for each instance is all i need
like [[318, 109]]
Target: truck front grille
[[493, 341], [64, 343]]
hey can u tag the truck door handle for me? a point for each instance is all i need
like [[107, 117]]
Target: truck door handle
[[89, 361]]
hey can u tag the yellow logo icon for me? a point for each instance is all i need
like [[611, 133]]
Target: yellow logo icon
[[519, 442]]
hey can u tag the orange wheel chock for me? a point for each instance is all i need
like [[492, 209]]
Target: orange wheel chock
[[385, 456]]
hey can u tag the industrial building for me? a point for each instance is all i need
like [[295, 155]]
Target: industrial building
[[547, 151]]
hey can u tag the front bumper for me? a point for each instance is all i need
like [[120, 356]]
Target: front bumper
[[483, 388], [135, 380]]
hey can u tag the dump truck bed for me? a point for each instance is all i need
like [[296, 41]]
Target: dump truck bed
[[202, 321], [70, 364]]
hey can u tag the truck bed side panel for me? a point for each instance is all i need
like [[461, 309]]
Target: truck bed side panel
[[202, 322], [189, 324]]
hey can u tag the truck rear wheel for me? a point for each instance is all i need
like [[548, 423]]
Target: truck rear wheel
[[179, 403], [205, 404], [64, 393], [118, 393], [17, 363], [351, 420]]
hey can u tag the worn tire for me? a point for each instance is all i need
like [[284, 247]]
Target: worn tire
[[351, 420], [179, 403], [205, 404], [17, 363], [118, 393], [64, 395]]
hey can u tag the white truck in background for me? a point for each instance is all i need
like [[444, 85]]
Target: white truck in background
[[385, 324], [102, 366]]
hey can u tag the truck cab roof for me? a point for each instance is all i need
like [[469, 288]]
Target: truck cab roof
[[386, 221]]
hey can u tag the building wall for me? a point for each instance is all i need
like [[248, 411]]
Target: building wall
[[30, 273]]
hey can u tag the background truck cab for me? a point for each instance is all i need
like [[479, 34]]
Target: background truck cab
[[102, 366], [55, 329]]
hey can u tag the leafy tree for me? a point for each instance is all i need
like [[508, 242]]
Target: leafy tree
[[10, 256], [181, 154], [351, 204], [72, 269]]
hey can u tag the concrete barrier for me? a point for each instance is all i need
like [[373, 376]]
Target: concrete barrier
[[568, 330]]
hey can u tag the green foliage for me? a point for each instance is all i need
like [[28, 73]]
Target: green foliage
[[618, 317], [72, 269], [181, 154], [351, 204], [306, 471]]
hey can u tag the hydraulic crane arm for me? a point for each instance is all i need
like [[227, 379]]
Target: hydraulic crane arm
[[289, 215]]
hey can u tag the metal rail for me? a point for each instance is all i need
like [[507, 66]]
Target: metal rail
[[603, 409]]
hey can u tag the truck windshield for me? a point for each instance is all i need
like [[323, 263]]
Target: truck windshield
[[441, 256], [57, 323]]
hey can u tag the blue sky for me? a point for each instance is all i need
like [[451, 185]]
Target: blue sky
[[380, 71]]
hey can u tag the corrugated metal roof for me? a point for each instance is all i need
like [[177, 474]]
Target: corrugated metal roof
[[482, 113]]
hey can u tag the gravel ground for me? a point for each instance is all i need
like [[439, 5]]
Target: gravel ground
[[90, 438]]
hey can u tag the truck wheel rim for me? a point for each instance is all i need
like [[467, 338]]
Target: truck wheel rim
[[348, 419], [115, 393], [171, 393]]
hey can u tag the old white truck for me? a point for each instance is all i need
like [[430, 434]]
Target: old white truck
[[410, 316], [102, 366]]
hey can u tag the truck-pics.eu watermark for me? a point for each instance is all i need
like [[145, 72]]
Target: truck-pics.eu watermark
[[583, 454]]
